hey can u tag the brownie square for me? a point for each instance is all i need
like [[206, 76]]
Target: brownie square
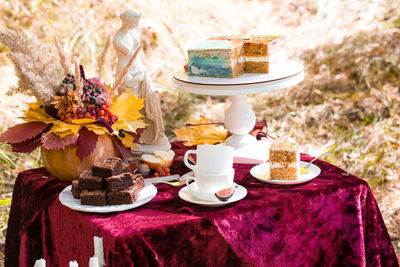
[[94, 197], [126, 196], [88, 181], [138, 179], [110, 167], [76, 190], [125, 168], [119, 182]]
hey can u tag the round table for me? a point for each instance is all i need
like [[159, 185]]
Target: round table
[[240, 118], [332, 219]]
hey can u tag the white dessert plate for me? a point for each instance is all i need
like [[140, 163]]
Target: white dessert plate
[[147, 194], [240, 193], [261, 172]]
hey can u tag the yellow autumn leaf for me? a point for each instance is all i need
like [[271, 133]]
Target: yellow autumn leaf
[[120, 124], [59, 126], [127, 106], [202, 134], [62, 134], [36, 113], [130, 126], [83, 121], [97, 129], [134, 125], [127, 141]]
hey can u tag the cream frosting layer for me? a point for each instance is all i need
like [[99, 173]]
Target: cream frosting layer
[[279, 165], [256, 59]]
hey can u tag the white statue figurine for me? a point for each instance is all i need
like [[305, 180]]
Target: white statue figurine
[[126, 42]]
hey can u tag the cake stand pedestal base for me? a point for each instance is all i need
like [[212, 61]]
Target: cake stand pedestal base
[[256, 153], [240, 118]]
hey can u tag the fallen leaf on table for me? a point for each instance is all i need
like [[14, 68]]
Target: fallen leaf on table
[[201, 134]]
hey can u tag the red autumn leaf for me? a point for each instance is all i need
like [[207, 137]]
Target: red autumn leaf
[[86, 143], [29, 145], [124, 152], [22, 132], [260, 125], [52, 141], [136, 136]]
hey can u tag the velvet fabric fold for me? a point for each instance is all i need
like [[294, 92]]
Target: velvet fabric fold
[[331, 221]]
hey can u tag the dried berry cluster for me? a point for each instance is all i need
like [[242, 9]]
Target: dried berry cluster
[[92, 104]]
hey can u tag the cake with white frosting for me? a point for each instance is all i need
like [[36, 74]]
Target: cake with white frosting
[[284, 161], [232, 55]]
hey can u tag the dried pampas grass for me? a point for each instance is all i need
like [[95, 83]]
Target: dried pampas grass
[[102, 58], [118, 81], [63, 60], [37, 65], [78, 78]]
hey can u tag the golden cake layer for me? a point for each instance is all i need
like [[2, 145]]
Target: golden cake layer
[[256, 67], [256, 52], [284, 173], [284, 160]]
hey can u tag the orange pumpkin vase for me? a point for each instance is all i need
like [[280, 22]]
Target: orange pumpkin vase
[[65, 165]]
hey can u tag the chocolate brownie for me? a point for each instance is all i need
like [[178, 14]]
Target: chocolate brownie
[[93, 197], [125, 196], [76, 189], [138, 179], [88, 181], [119, 182], [125, 168], [110, 167]]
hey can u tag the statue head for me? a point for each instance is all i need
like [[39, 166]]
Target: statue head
[[130, 18]]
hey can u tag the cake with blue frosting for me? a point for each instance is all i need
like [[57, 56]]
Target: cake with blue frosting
[[232, 55], [216, 58]]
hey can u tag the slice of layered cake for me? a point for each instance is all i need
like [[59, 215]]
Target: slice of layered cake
[[284, 161], [258, 50], [216, 58]]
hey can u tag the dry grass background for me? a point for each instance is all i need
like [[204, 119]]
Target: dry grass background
[[350, 49]]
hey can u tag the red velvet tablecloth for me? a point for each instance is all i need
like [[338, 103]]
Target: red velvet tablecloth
[[331, 221]]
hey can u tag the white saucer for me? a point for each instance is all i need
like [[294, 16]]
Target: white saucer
[[240, 193], [261, 173], [146, 194]]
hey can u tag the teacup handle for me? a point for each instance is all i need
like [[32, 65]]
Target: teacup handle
[[189, 179], [186, 161]]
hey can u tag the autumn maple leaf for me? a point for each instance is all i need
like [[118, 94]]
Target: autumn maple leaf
[[201, 132]]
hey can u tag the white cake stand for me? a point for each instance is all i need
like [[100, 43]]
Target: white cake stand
[[240, 118]]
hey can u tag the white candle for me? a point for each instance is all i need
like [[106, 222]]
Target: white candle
[[73, 264], [40, 263], [93, 262], [99, 250]]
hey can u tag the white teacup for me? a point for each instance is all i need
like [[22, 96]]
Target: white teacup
[[211, 159], [206, 184]]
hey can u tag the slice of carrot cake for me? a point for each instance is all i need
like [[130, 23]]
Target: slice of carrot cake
[[284, 161]]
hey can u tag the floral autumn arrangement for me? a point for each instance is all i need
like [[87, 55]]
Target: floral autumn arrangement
[[75, 120]]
